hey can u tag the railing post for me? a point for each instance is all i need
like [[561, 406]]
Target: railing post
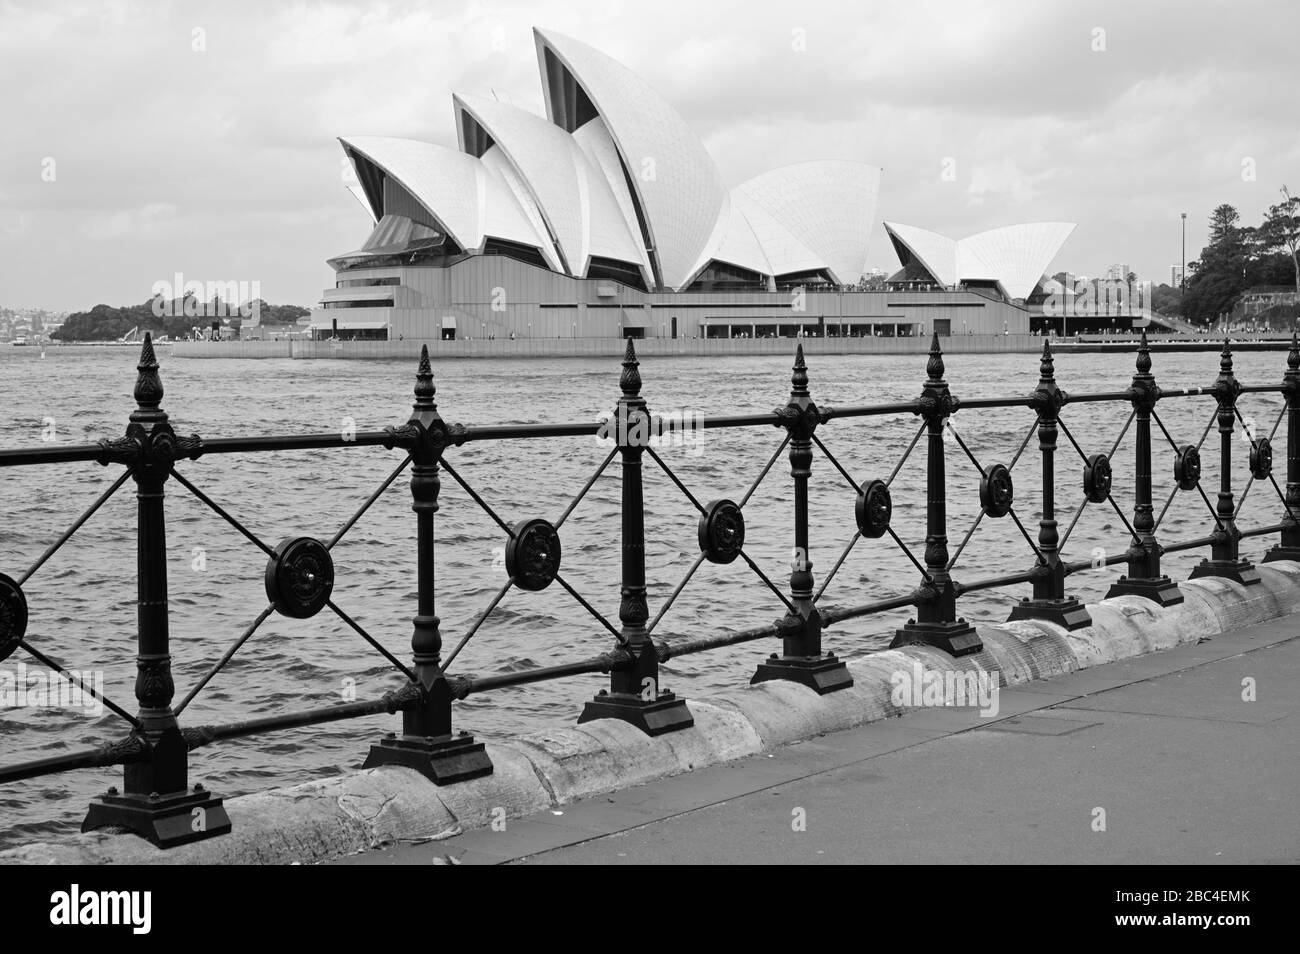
[[1289, 547], [155, 801], [427, 743], [1225, 555], [635, 694], [1049, 601], [936, 623], [802, 659], [1144, 577]]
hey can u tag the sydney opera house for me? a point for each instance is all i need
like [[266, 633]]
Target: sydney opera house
[[608, 218]]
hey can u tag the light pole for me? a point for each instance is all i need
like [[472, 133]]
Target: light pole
[[1182, 275]]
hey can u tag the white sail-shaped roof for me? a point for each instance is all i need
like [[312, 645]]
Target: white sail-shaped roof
[[471, 201], [674, 180], [936, 253], [828, 205], [614, 175], [572, 196], [1014, 256]]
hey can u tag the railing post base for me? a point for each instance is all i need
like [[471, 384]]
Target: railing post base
[[442, 759], [667, 713], [956, 639], [1067, 613], [1282, 553], [177, 818], [1160, 590], [1239, 571], [822, 674]]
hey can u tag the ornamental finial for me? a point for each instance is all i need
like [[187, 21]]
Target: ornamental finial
[[799, 373], [424, 386], [1293, 356], [148, 384], [1144, 355], [630, 381], [934, 367], [1225, 357], [1047, 366]]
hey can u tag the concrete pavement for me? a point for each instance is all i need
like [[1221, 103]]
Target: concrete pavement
[[1161, 758]]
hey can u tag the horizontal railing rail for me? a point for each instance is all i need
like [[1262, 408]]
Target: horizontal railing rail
[[157, 802]]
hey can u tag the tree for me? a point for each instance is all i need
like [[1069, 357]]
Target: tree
[[1281, 230]]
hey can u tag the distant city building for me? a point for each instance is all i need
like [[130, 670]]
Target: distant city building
[[1118, 272], [1176, 276], [607, 217]]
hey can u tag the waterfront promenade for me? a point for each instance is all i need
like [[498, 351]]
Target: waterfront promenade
[[1184, 769]]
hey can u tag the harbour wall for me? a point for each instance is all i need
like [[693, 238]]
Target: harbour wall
[[345, 814]]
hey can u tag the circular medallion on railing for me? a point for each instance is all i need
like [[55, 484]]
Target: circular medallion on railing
[[1097, 478], [13, 616], [1261, 459], [1187, 467], [299, 577], [722, 531], [533, 554], [996, 491], [874, 509]]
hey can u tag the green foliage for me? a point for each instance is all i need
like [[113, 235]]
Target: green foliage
[[175, 318], [1238, 258]]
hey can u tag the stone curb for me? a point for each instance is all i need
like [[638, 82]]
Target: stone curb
[[334, 817]]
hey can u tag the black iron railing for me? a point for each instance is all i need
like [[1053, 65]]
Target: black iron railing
[[157, 801]]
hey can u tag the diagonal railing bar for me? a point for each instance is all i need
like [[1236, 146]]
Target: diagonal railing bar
[[619, 637], [1177, 450], [1070, 437], [831, 457], [673, 477], [591, 482], [53, 548], [1123, 430], [397, 663], [754, 486], [681, 585], [1070, 529], [770, 585], [1241, 501], [966, 539], [1110, 499], [906, 454], [1209, 506], [1033, 429], [500, 594], [477, 499], [221, 512], [369, 500], [1011, 512], [229, 654], [925, 574], [838, 563], [962, 444], [1127, 525], [59, 668], [1255, 446]]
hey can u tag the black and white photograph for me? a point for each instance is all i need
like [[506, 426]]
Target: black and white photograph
[[477, 432]]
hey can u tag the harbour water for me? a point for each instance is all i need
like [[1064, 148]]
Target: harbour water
[[82, 602]]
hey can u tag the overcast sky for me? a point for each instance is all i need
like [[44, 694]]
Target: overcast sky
[[222, 163]]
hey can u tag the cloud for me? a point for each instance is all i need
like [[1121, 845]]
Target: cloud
[[224, 161]]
